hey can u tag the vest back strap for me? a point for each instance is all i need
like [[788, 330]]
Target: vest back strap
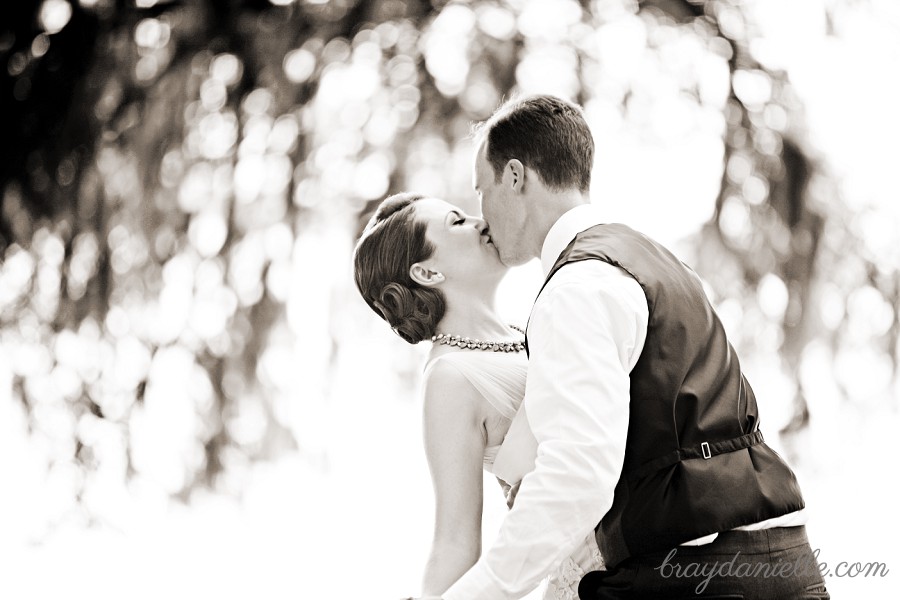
[[704, 450]]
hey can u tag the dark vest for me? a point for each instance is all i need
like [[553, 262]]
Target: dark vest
[[695, 460]]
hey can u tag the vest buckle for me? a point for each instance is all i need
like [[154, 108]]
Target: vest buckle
[[704, 447]]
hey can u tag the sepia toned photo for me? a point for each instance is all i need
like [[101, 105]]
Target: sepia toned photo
[[449, 299]]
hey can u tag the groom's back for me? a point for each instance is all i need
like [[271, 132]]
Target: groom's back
[[693, 438]]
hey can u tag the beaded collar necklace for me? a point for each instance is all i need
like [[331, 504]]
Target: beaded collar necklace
[[473, 344]]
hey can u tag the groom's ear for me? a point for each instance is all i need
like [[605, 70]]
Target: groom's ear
[[425, 276], [514, 175]]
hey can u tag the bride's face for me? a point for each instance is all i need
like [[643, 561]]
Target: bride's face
[[463, 248]]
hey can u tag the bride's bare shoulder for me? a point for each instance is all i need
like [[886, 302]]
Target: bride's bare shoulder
[[446, 386], [443, 371]]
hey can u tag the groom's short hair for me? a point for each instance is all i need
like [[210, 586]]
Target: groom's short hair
[[547, 134]]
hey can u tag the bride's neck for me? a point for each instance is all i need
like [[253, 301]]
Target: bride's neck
[[476, 319]]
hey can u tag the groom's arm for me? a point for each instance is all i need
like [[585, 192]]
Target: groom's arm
[[585, 333]]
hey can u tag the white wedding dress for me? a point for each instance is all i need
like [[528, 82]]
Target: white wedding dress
[[500, 378]]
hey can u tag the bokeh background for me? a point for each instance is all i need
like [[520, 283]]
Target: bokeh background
[[194, 401]]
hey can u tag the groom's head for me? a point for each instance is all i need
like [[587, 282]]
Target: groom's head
[[533, 152]]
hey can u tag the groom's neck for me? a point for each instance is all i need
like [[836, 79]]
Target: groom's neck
[[548, 210]]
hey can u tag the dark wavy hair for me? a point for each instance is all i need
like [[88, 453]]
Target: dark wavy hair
[[547, 134], [390, 244]]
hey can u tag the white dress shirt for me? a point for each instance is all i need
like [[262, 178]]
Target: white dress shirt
[[577, 408]]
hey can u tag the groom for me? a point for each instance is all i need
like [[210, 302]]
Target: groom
[[646, 430]]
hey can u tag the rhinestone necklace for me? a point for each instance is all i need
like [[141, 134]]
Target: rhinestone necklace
[[473, 344]]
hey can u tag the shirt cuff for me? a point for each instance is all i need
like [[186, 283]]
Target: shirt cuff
[[476, 584]]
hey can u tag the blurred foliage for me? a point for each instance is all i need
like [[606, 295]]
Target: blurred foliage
[[169, 168]]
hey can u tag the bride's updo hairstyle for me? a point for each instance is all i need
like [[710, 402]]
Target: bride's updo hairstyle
[[390, 244]]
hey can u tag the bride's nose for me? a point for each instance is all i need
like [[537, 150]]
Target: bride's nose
[[479, 223]]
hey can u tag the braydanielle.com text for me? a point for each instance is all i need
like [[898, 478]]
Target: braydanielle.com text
[[778, 569]]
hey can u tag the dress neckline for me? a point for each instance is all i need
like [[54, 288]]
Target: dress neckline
[[479, 355]]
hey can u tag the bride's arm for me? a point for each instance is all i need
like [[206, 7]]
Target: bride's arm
[[455, 439]]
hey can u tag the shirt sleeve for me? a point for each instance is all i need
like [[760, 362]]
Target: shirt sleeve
[[586, 332]]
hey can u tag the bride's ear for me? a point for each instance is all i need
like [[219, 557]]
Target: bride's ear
[[425, 276]]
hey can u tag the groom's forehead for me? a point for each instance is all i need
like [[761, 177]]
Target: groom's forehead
[[478, 165]]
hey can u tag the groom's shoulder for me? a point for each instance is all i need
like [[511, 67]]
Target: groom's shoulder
[[612, 235], [588, 279]]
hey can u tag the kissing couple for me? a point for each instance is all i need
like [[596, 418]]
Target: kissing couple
[[618, 423]]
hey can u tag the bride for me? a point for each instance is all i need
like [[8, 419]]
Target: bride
[[432, 272]]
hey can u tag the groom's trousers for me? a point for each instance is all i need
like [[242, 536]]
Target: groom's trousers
[[769, 564]]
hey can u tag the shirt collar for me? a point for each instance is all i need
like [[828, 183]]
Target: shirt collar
[[571, 223]]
